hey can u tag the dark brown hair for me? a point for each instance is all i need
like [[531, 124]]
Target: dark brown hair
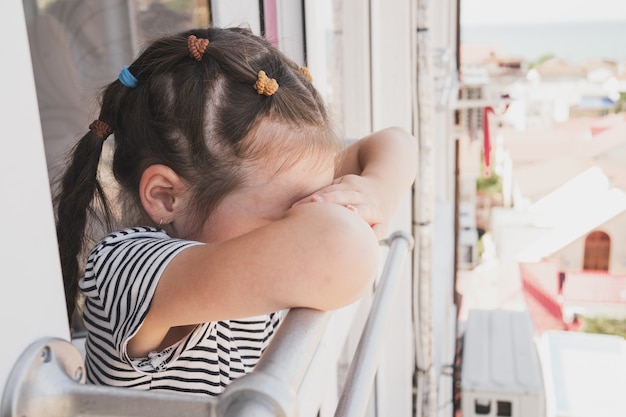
[[201, 118]]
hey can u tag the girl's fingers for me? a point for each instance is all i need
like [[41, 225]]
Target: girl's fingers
[[314, 198], [352, 208], [336, 194], [379, 230]]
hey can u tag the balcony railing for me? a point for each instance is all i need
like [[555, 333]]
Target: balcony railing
[[48, 378]]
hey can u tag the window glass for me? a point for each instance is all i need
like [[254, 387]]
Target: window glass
[[165, 16], [79, 46], [335, 63]]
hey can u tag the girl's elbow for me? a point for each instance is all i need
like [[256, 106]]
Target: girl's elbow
[[357, 251], [409, 141]]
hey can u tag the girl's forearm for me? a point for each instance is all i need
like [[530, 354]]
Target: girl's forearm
[[389, 158], [390, 154]]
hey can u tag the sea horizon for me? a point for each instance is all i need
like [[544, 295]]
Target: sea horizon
[[575, 42]]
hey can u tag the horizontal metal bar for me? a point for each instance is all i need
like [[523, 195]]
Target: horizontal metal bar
[[48, 379], [356, 393]]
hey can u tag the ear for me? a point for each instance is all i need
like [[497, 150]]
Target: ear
[[161, 192]]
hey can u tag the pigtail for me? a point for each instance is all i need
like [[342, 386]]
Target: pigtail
[[79, 190]]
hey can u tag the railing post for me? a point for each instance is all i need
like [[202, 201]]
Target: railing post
[[354, 398], [272, 387]]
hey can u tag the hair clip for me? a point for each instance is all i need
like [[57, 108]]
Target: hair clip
[[265, 85], [307, 74], [127, 78], [196, 46], [100, 129]]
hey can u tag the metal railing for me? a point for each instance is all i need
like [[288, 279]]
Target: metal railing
[[48, 380]]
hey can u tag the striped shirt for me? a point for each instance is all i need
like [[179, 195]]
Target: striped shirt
[[121, 276]]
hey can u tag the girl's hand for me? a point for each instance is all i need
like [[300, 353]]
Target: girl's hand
[[372, 176], [359, 194]]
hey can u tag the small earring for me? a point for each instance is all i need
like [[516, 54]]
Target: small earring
[[160, 222]]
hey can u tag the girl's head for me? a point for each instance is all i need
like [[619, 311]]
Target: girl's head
[[205, 119], [204, 116]]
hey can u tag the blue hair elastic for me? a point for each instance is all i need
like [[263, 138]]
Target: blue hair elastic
[[127, 78]]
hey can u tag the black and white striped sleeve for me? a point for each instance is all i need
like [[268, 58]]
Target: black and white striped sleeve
[[121, 277]]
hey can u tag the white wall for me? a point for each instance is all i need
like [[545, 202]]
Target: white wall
[[442, 27], [392, 72], [572, 256]]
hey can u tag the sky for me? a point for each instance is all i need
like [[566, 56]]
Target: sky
[[484, 12]]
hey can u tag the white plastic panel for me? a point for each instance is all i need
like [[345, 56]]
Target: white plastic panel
[[585, 373], [32, 304]]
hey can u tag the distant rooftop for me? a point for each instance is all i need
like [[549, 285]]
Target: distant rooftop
[[596, 102], [544, 159]]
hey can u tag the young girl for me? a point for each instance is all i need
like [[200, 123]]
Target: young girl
[[239, 202]]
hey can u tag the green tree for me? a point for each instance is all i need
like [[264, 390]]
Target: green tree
[[604, 325], [491, 184], [540, 60]]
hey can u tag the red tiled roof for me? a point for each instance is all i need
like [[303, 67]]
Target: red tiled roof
[[540, 286], [594, 287], [544, 300], [543, 159], [537, 291], [543, 318]]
